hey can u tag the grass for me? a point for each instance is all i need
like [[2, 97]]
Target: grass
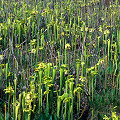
[[59, 59]]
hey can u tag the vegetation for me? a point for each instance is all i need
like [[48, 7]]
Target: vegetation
[[59, 59]]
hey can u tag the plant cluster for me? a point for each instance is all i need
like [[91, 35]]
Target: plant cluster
[[59, 59]]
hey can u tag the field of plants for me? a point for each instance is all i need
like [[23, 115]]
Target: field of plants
[[59, 60]]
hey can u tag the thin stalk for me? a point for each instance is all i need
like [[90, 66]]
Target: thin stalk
[[61, 79], [108, 49], [40, 79], [58, 106], [66, 86], [118, 35], [23, 105], [92, 88], [6, 71], [78, 67], [106, 71], [5, 110], [71, 95]]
